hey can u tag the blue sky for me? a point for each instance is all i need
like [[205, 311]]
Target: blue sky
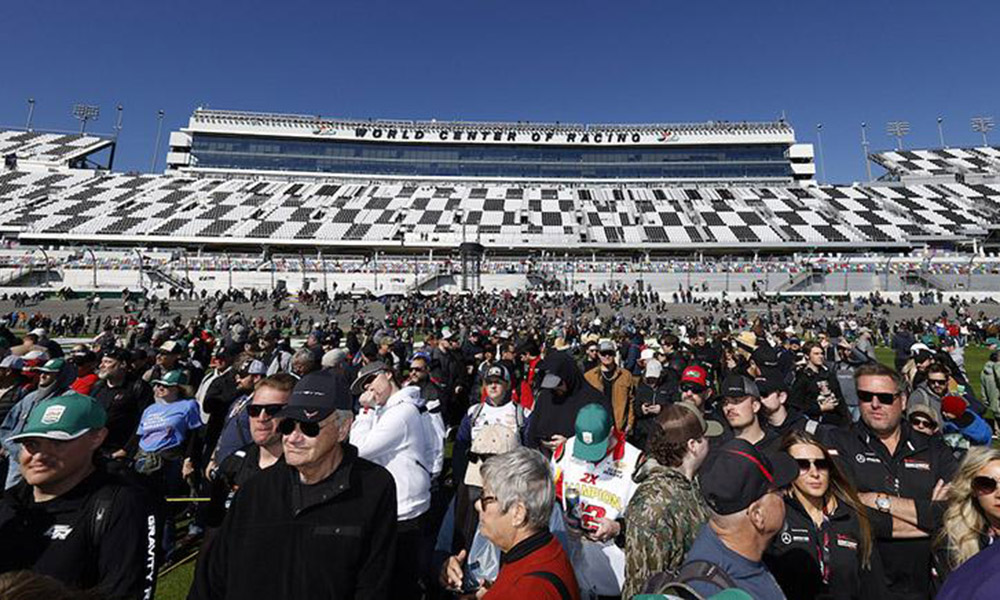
[[835, 63]]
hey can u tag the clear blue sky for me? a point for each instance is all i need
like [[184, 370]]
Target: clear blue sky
[[836, 63]]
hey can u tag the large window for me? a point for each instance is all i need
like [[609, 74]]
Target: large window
[[468, 160]]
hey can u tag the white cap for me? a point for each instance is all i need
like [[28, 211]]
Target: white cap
[[653, 369], [40, 332], [647, 354]]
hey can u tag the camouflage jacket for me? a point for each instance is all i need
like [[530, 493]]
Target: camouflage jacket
[[661, 523]]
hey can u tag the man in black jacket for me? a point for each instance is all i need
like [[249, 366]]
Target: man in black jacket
[[321, 525], [69, 518], [124, 395]]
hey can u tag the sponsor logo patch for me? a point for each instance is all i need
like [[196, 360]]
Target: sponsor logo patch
[[53, 414]]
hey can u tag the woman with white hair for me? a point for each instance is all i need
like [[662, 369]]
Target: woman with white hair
[[514, 510]]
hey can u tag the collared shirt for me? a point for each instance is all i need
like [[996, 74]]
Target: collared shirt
[[750, 576]]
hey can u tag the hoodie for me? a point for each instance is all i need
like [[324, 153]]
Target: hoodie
[[14, 423], [395, 436], [555, 414]]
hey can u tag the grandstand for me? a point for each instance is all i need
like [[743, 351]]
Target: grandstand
[[250, 181]]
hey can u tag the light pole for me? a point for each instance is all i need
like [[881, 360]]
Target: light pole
[[142, 265], [31, 112], [822, 163], [898, 129], [983, 125], [940, 120], [864, 149], [93, 257], [85, 113], [156, 146]]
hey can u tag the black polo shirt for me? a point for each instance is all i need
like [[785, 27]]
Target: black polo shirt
[[912, 472], [823, 562]]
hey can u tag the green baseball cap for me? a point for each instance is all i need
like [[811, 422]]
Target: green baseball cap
[[53, 366], [171, 379], [65, 417], [593, 429]]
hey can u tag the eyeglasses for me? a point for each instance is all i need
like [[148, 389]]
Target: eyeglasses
[[866, 397], [308, 429], [937, 381], [692, 388], [983, 485], [255, 410], [806, 464], [416, 369], [924, 422]]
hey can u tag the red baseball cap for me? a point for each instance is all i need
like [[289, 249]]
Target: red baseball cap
[[696, 375]]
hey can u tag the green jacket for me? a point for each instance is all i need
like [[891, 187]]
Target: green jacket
[[661, 523], [990, 382]]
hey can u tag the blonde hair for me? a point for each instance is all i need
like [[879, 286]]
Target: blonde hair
[[964, 521]]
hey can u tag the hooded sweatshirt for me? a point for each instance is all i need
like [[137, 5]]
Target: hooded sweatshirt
[[395, 436], [553, 414], [14, 423]]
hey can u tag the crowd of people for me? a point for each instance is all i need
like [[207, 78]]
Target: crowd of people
[[507, 445]]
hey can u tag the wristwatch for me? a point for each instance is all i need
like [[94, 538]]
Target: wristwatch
[[882, 503]]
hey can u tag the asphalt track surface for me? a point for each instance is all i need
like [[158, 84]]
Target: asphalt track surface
[[54, 308]]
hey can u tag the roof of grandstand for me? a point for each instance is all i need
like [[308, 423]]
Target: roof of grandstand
[[51, 149], [945, 161], [272, 120]]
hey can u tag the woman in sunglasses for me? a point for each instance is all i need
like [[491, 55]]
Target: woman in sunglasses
[[826, 548], [972, 519]]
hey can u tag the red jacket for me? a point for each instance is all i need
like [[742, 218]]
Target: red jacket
[[540, 553], [527, 395]]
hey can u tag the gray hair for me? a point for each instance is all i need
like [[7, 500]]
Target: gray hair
[[523, 476], [304, 355]]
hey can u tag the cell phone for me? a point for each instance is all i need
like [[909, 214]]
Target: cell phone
[[469, 582]]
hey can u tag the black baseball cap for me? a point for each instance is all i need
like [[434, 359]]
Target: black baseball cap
[[765, 357], [740, 474], [738, 386], [368, 371], [770, 384], [316, 396], [497, 371]]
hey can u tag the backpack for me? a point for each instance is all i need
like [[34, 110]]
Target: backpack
[[675, 584]]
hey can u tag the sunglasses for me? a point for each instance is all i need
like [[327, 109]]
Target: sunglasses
[[918, 421], [607, 353], [937, 381], [806, 464], [692, 388], [866, 397], [416, 369], [255, 410], [485, 501], [308, 429], [983, 485]]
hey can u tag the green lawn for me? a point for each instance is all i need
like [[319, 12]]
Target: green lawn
[[174, 584], [975, 358]]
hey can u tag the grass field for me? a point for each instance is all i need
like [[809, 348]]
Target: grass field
[[174, 584]]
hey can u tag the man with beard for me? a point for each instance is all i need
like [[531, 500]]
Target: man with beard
[[53, 379], [124, 395], [236, 429]]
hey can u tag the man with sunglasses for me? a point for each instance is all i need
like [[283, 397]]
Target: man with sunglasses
[[325, 514], [616, 383], [269, 398], [899, 472]]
